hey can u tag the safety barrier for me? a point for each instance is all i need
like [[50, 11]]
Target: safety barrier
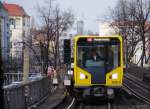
[[25, 95], [12, 77]]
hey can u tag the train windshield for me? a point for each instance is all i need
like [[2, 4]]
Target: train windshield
[[100, 54]]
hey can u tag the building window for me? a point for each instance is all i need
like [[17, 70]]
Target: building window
[[24, 22], [8, 25], [23, 34], [12, 23], [10, 33], [10, 44], [17, 22]]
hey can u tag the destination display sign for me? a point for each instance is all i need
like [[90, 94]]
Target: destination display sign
[[97, 39]]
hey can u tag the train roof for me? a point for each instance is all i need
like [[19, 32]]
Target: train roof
[[83, 36]]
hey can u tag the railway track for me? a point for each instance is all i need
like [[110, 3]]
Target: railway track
[[137, 81], [71, 103], [137, 89], [88, 106], [79, 105], [140, 91]]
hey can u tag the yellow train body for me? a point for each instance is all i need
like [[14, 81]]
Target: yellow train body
[[109, 82]]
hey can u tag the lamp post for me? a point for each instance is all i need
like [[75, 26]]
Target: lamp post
[[25, 61]]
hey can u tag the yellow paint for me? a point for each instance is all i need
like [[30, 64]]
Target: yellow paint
[[87, 82], [83, 82], [114, 82]]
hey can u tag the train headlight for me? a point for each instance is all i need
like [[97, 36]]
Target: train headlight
[[82, 76], [114, 76]]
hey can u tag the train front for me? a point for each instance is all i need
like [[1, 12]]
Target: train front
[[98, 65]]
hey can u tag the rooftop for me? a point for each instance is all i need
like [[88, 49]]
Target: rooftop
[[15, 10]]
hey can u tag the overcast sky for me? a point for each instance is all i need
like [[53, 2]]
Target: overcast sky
[[87, 10]]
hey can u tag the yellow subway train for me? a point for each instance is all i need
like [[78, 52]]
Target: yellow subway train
[[98, 66]]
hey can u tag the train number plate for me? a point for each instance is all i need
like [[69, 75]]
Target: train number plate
[[98, 95]]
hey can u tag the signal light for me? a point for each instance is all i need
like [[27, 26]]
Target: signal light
[[89, 39]]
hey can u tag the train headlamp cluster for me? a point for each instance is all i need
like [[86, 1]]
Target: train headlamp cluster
[[82, 76], [114, 76]]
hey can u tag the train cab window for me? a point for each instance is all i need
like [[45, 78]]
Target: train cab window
[[104, 55], [89, 56]]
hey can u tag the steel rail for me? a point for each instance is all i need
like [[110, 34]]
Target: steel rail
[[137, 81], [138, 95], [108, 106], [81, 106], [72, 102], [136, 85]]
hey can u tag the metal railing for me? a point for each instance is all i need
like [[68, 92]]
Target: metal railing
[[26, 95], [11, 77]]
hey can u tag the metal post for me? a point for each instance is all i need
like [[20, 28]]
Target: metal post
[[26, 65], [42, 67], [17, 77], [13, 78]]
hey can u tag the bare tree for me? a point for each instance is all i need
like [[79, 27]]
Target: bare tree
[[130, 18], [142, 14], [55, 22], [125, 25]]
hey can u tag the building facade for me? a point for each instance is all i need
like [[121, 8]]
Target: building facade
[[4, 33], [139, 51], [19, 28]]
